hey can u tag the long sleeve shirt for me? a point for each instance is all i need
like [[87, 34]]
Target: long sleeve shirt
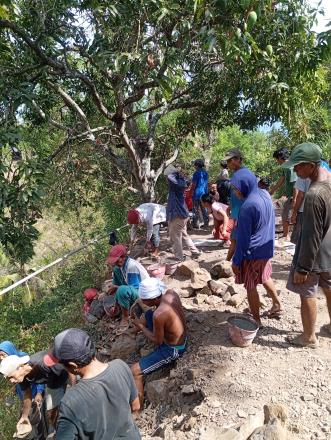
[[313, 251], [151, 214], [176, 206]]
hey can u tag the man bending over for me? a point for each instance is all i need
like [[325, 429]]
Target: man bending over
[[165, 327]]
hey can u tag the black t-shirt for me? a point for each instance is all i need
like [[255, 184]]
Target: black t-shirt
[[53, 377], [99, 408], [223, 189]]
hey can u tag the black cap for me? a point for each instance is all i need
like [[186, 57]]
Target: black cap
[[73, 345]]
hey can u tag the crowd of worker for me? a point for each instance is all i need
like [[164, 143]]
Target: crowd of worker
[[83, 398]]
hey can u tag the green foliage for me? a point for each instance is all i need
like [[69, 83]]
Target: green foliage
[[20, 198]]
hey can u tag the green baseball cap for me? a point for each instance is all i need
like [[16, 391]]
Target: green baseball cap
[[302, 153]]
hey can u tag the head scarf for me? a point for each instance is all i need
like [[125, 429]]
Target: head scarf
[[245, 181], [117, 251], [90, 294], [151, 288], [133, 217], [10, 349]]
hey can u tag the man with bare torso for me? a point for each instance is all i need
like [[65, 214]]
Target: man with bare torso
[[165, 327]]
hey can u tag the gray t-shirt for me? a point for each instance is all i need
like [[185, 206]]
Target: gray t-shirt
[[99, 408]]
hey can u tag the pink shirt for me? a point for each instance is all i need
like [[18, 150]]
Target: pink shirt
[[217, 206]]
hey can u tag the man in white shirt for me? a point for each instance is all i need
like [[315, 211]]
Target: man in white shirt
[[152, 215]]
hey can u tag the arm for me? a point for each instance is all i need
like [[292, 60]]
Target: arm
[[135, 404], [312, 232], [27, 403], [157, 336], [133, 233], [298, 202], [276, 187]]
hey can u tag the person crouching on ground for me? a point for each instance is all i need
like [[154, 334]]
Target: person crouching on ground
[[165, 327], [255, 242], [99, 406], [223, 225], [127, 276], [152, 215]]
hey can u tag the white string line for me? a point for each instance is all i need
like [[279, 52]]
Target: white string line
[[59, 260]]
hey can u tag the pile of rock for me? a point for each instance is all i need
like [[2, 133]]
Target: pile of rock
[[219, 282]]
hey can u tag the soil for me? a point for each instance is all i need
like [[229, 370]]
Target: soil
[[216, 384]]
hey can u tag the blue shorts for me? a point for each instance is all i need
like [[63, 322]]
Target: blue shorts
[[163, 355]]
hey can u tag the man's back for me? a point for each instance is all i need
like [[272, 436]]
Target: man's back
[[99, 408]]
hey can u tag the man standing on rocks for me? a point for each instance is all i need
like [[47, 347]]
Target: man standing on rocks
[[311, 266], [165, 327], [255, 242], [234, 162], [99, 406], [178, 214]]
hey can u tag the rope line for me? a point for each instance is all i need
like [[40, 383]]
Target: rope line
[[58, 260]]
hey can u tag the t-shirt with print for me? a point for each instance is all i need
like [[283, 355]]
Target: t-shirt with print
[[54, 377], [99, 408], [290, 178], [200, 179]]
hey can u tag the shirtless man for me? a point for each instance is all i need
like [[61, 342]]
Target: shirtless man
[[165, 327]]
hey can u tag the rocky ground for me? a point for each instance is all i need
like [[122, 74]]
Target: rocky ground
[[217, 385]]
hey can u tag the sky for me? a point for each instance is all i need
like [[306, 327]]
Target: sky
[[322, 20]]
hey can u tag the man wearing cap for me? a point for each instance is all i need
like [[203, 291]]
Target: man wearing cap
[[178, 214], [99, 406], [199, 187], [152, 215], [311, 265], [165, 327], [234, 161], [127, 276]]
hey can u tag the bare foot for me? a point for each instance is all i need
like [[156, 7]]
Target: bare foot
[[301, 341]]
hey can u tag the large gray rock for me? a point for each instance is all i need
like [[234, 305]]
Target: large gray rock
[[217, 287], [223, 269], [272, 431], [187, 268], [199, 278], [123, 347], [157, 391], [250, 425], [237, 299], [216, 433], [275, 411]]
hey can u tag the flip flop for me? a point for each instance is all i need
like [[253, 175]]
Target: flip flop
[[277, 314], [298, 342]]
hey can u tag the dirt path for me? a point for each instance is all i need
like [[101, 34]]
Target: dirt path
[[229, 383]]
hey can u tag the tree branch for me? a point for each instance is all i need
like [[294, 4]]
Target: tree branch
[[165, 164]]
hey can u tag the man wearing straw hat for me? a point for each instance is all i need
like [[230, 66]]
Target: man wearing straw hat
[[165, 327]]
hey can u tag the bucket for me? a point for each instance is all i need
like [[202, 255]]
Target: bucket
[[171, 266], [242, 330], [148, 261], [156, 270]]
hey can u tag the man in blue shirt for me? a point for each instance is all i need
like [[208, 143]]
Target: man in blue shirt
[[255, 242], [200, 187], [177, 213]]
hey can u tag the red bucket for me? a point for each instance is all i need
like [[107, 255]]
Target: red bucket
[[157, 270]]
